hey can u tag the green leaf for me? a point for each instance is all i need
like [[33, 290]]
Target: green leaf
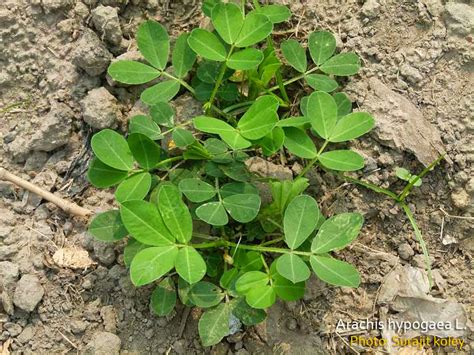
[[131, 72], [196, 190], [293, 268], [183, 57], [236, 171], [208, 5], [108, 227], [208, 71], [261, 297], [321, 82], [322, 45], [247, 315], [251, 280], [299, 143], [300, 122], [344, 105], [228, 92], [237, 188], [256, 28], [144, 125], [205, 294], [212, 125], [145, 151], [260, 118], [295, 54], [227, 20], [235, 140], [207, 45], [251, 261], [174, 212], [214, 324], [161, 92], [182, 137], [322, 112], [152, 263], [153, 42], [163, 298], [273, 141], [287, 290], [143, 221], [246, 59], [228, 279], [337, 232], [283, 192], [243, 208], [132, 248], [300, 220], [190, 265], [343, 64], [101, 175], [135, 187], [417, 183], [342, 160], [183, 292], [163, 114], [352, 126], [403, 173], [212, 213], [112, 149], [335, 272], [275, 13]]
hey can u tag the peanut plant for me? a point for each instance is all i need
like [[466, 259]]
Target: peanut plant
[[191, 212]]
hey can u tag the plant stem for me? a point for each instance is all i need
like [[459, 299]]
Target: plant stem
[[236, 106], [270, 242], [292, 80], [220, 77], [313, 161], [370, 186], [167, 161], [224, 243]]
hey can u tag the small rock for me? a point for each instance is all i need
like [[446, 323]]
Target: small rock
[[8, 273], [405, 251], [461, 199], [77, 326], [7, 251], [267, 169], [36, 161], [104, 252], [54, 130], [371, 8], [100, 109], [54, 5], [459, 18], [411, 74], [104, 343], [90, 54], [106, 21], [7, 303], [12, 328], [26, 335], [186, 107], [28, 293], [109, 317], [291, 324]]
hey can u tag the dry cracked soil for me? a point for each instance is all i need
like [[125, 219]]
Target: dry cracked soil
[[417, 80]]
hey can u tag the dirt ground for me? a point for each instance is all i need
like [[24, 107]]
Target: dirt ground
[[417, 80]]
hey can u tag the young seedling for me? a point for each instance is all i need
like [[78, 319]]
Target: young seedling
[[168, 193]]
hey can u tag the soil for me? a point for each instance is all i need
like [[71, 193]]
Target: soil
[[54, 52]]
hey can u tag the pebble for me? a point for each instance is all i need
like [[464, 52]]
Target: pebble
[[28, 293], [77, 326], [8, 272], [100, 109], [26, 335], [106, 21], [405, 251], [104, 343], [12, 328], [90, 54], [291, 324], [461, 199]]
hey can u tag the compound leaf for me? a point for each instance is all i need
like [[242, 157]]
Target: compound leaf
[[153, 42], [335, 272], [207, 45], [161, 92], [300, 220], [260, 118], [337, 232], [246, 59], [145, 151], [242, 207], [299, 143], [214, 324], [293, 268], [342, 160], [322, 112], [135, 187], [343, 64], [101, 175], [131, 72], [144, 125], [352, 126], [251, 280], [196, 190], [183, 57], [256, 28], [152, 263], [227, 20], [143, 221], [322, 45], [212, 213], [112, 149], [163, 298], [190, 265], [321, 82], [205, 294], [295, 54], [108, 227]]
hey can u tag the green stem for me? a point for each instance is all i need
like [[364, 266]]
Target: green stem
[[296, 78], [406, 191], [167, 161], [236, 106], [220, 77], [370, 186], [313, 161], [227, 244], [270, 242]]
